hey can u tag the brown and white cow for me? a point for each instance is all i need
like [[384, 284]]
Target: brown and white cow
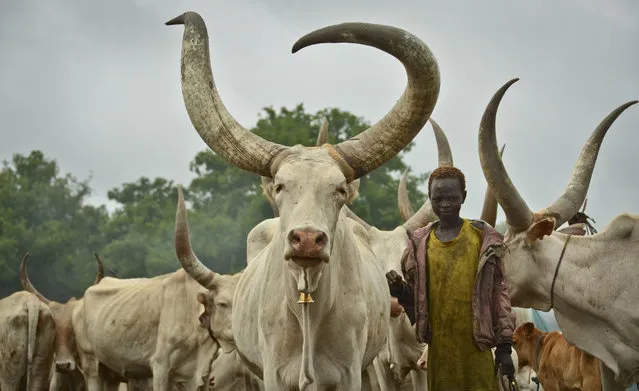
[[27, 335], [67, 360]]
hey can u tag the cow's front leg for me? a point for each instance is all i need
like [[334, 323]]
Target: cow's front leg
[[384, 375], [12, 384], [271, 379], [91, 374], [160, 366], [352, 379]]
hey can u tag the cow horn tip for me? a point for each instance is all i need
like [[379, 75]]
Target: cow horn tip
[[296, 47], [177, 20]]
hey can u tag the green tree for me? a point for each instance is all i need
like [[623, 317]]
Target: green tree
[[43, 212], [140, 232]]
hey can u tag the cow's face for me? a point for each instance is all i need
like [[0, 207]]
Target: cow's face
[[218, 307], [525, 343], [525, 272], [388, 246], [65, 345], [310, 190]]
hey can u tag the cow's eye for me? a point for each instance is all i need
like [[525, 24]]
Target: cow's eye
[[279, 188], [341, 191]]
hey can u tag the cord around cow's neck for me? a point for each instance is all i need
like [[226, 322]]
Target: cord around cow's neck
[[554, 278]]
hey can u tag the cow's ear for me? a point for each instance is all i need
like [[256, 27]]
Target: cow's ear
[[202, 299], [539, 229], [205, 317], [528, 328], [267, 187], [353, 191]]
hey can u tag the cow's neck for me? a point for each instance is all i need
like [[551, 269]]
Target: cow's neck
[[590, 276], [309, 316], [580, 258]]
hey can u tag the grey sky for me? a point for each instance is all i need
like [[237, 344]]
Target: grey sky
[[97, 86]]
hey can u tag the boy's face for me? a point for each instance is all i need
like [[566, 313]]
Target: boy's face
[[446, 197]]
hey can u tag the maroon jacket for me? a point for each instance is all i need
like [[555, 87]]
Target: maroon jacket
[[492, 320]]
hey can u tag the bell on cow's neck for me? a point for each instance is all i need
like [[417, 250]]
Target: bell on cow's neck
[[305, 298]]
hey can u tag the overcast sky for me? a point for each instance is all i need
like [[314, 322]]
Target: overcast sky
[[97, 86]]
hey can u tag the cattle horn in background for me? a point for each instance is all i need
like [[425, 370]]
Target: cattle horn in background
[[357, 156], [425, 214], [322, 136], [489, 211], [518, 215], [26, 283], [100, 274], [28, 286], [190, 262]]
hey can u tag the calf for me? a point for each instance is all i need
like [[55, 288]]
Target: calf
[[559, 364], [65, 346]]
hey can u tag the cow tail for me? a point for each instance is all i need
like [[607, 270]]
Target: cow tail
[[33, 314]]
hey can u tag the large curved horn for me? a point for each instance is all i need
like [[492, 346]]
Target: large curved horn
[[518, 214], [363, 153], [489, 211], [405, 208], [26, 283], [567, 205], [100, 275], [322, 136], [382, 141], [191, 264], [444, 155], [425, 214], [215, 125]]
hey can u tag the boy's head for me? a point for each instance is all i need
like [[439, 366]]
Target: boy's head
[[447, 191]]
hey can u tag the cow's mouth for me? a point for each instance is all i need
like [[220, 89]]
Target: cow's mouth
[[307, 262]]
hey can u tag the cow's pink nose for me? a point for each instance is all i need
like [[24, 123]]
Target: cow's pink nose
[[307, 243]]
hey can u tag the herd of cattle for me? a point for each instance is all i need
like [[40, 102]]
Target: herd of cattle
[[311, 310]]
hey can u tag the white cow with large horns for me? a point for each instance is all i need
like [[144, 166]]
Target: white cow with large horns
[[399, 356], [329, 339], [590, 281]]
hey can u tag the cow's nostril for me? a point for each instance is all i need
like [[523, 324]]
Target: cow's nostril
[[63, 366]]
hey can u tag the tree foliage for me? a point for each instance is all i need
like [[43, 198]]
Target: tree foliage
[[47, 214]]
